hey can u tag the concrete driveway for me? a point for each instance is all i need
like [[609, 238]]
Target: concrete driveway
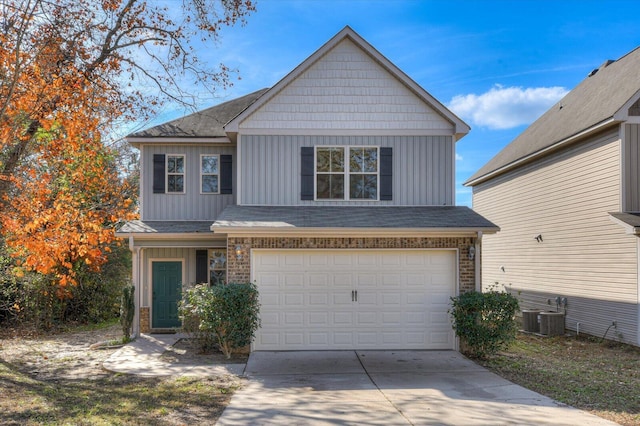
[[387, 388]]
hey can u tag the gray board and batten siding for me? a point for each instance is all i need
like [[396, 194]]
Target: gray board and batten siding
[[192, 205], [423, 169], [631, 180], [582, 254]]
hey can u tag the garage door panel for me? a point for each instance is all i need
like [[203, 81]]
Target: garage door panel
[[318, 299], [307, 302]]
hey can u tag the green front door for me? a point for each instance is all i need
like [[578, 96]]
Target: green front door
[[167, 291]]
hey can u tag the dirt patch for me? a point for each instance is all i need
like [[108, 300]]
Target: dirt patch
[[187, 351], [58, 379], [59, 356]]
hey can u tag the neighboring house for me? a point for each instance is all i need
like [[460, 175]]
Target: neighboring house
[[566, 195], [333, 191]]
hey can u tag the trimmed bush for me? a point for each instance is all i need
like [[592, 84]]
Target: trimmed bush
[[485, 322], [227, 314]]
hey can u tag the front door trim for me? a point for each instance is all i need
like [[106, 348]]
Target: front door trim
[[150, 281]]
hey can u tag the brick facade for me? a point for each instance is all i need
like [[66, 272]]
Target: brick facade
[[239, 269], [145, 320]]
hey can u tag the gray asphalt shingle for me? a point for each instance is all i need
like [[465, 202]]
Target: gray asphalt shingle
[[209, 122], [454, 217], [596, 99]]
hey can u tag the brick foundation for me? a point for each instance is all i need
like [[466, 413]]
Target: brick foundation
[[145, 320], [239, 270]]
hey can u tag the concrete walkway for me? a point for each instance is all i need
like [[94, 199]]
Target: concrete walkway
[[142, 357], [387, 388]]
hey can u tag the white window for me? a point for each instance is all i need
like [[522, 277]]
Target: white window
[[175, 173], [353, 179], [209, 174]]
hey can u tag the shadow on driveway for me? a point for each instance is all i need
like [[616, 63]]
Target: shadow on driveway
[[387, 388]]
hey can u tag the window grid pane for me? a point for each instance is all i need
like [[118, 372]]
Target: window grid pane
[[330, 173], [175, 173], [210, 174], [359, 176]]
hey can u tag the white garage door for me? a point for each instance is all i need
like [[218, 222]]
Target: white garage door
[[354, 299]]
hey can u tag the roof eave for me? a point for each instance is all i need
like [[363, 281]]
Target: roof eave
[[137, 141], [386, 232], [541, 153]]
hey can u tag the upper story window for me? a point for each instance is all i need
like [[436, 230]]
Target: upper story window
[[209, 174], [170, 173], [347, 173], [175, 173]]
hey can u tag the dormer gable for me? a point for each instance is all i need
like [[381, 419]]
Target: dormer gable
[[347, 87]]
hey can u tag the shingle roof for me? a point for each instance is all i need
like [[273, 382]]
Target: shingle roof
[[279, 217], [209, 122], [594, 101], [165, 227]]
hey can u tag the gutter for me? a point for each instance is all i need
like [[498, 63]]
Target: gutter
[[348, 232], [562, 143]]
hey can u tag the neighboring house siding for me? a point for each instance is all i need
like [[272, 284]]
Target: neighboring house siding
[[632, 168], [189, 206], [583, 255], [422, 169], [346, 89]]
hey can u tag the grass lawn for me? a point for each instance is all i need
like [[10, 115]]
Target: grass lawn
[[602, 378], [119, 399]]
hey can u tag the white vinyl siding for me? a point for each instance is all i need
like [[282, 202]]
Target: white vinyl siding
[[192, 205], [422, 168], [346, 89], [566, 198]]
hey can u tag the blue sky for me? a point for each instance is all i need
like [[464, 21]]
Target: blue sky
[[497, 64]]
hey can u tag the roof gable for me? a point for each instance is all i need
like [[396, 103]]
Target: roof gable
[[343, 84], [602, 99]]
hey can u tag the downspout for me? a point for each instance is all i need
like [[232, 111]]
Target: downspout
[[136, 278], [477, 261]]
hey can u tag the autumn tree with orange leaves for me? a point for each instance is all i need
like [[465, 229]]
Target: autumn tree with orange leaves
[[70, 72]]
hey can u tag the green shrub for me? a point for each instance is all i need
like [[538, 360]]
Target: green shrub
[[485, 322], [227, 314]]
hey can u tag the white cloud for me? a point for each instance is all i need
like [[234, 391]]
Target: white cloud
[[458, 157], [506, 107]]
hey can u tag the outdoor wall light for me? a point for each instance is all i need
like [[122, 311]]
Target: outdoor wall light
[[238, 252], [472, 252]]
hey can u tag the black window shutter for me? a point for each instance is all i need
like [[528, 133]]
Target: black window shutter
[[386, 173], [226, 174], [158, 173], [202, 269], [306, 173]]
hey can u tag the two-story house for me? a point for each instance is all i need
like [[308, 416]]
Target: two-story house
[[566, 195], [333, 191]]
